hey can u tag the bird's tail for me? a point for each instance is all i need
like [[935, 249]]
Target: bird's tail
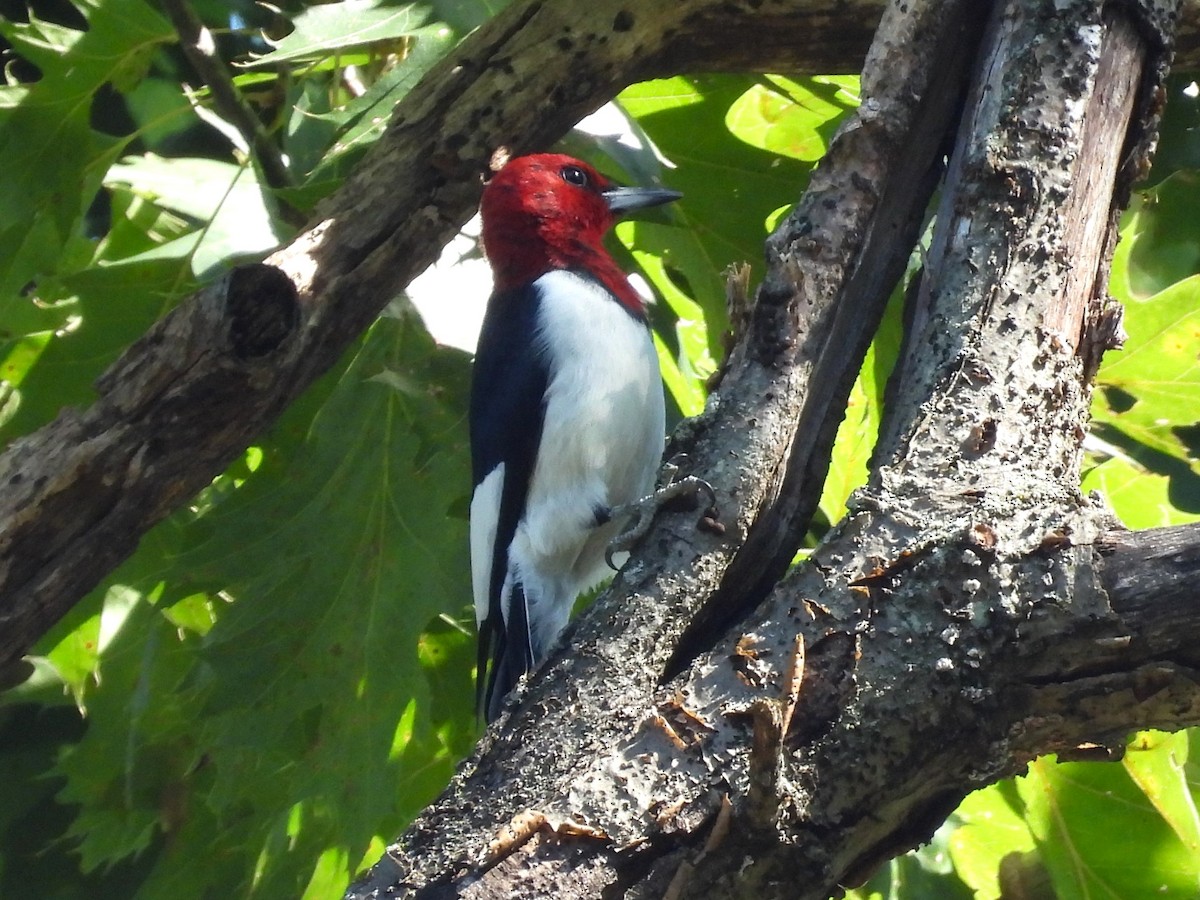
[[508, 644]]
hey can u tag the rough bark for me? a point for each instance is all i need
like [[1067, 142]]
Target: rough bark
[[965, 617]]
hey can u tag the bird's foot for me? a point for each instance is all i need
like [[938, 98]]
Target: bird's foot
[[641, 512]]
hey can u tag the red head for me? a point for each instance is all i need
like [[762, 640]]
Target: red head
[[550, 211]]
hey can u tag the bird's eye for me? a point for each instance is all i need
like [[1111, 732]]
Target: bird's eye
[[574, 175]]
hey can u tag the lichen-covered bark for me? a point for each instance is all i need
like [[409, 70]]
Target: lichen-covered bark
[[957, 623]]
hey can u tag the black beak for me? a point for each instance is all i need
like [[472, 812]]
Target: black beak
[[624, 199]]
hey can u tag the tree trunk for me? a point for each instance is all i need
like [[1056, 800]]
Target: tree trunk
[[720, 726]]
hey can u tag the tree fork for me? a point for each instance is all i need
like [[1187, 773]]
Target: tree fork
[[970, 559]]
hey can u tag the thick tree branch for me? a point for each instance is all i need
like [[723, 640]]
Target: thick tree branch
[[831, 268], [1152, 579]]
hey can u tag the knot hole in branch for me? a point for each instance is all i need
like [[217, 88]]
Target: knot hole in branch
[[263, 309]]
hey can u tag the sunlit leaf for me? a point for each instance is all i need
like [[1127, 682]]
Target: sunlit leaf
[[359, 123], [51, 122], [337, 27], [1139, 497], [1157, 763], [992, 847], [1068, 808], [1150, 389], [730, 187], [859, 429], [791, 118], [224, 196]]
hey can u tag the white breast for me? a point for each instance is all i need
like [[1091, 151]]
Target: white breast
[[601, 442]]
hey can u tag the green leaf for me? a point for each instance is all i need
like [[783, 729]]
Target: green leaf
[[792, 118], [331, 28], [125, 774], [855, 440], [1158, 764], [1099, 836], [137, 225], [360, 122], [1161, 237], [924, 872], [30, 738], [1139, 497], [227, 198], [162, 113], [1148, 390], [686, 372], [298, 652], [331, 602], [730, 188], [992, 847], [50, 120], [1179, 131], [48, 146], [859, 429], [109, 303], [1144, 407], [466, 15], [311, 129]]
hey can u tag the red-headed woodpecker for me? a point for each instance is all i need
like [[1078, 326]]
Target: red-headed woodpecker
[[566, 407]]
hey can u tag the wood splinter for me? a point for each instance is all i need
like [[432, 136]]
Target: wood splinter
[[766, 762], [525, 824], [791, 684], [716, 837]]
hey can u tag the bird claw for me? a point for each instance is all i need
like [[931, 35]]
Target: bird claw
[[642, 512]]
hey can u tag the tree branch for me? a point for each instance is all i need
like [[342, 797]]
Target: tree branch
[[1153, 582], [198, 46]]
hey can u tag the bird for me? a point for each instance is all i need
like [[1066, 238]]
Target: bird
[[566, 407]]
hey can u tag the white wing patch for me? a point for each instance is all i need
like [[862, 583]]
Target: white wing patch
[[485, 516]]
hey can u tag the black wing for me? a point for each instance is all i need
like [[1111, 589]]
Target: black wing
[[508, 390]]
